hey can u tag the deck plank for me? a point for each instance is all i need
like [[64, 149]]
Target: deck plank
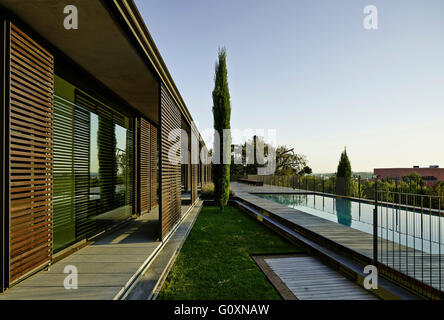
[[308, 279]]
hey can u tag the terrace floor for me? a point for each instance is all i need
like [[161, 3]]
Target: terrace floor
[[422, 266], [107, 268]]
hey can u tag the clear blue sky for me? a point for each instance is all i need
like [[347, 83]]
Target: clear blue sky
[[309, 69]]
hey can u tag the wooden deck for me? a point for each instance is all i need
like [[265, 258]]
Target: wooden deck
[[415, 263], [308, 279], [107, 268], [150, 283]]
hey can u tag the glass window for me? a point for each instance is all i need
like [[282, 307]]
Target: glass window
[[92, 165]]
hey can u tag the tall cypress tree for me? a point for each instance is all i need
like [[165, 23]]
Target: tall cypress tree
[[221, 116], [343, 175]]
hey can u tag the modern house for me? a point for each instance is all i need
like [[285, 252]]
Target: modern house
[[86, 118], [430, 175]]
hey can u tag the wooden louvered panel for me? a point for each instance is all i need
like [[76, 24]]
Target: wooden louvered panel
[[170, 119], [201, 170], [194, 172], [194, 180], [207, 168], [130, 144], [84, 224], [153, 166], [64, 180], [31, 154], [106, 145], [144, 166], [205, 165], [207, 174], [84, 101], [203, 181]]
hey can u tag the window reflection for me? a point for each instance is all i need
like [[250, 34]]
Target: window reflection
[[122, 163], [92, 165], [94, 188]]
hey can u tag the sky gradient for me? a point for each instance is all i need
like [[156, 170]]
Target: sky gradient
[[311, 71]]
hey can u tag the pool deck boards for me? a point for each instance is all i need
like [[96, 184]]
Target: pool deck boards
[[308, 279], [415, 263]]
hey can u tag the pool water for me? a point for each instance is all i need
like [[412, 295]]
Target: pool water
[[421, 231]]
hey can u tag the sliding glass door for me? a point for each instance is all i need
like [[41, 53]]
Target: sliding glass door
[[93, 152]]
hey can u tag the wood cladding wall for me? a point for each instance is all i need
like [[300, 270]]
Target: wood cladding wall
[[170, 119], [153, 166], [31, 91], [147, 166], [144, 166]]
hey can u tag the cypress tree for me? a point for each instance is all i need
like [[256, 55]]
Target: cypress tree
[[221, 116], [343, 175]]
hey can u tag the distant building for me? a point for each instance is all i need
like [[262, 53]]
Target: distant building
[[430, 175]]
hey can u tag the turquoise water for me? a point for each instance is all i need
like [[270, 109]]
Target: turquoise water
[[421, 231]]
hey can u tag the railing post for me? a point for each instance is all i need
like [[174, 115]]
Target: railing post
[[359, 186], [375, 226]]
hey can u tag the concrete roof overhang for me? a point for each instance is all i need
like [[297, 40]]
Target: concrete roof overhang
[[99, 46], [128, 11], [112, 43]]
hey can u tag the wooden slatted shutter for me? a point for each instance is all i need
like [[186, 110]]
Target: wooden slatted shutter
[[194, 166], [63, 174], [170, 119], [153, 166], [147, 166], [84, 224], [194, 178], [31, 150], [201, 169], [144, 166]]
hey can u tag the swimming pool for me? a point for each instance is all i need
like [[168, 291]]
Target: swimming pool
[[421, 231]]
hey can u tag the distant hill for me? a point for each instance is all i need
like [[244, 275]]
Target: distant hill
[[363, 174]]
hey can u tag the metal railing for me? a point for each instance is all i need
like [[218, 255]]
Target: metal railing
[[306, 182], [408, 228], [410, 235]]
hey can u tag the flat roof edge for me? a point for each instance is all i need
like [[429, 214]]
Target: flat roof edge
[[131, 15]]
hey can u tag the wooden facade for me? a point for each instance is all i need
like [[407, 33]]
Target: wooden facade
[[144, 165], [31, 87], [153, 166], [147, 166], [170, 172], [30, 106]]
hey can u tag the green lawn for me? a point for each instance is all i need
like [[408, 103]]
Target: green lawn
[[215, 261]]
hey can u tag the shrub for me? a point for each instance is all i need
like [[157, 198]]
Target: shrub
[[207, 192]]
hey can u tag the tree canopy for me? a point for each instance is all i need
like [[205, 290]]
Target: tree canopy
[[344, 167], [288, 162], [221, 116], [344, 175]]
